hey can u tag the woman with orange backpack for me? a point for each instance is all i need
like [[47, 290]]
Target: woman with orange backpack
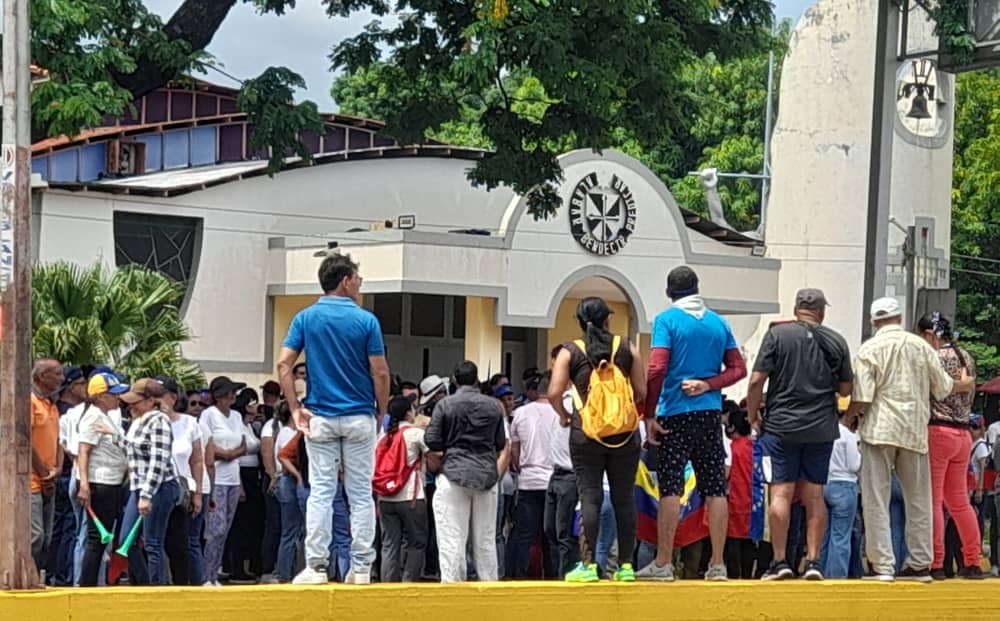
[[606, 375]]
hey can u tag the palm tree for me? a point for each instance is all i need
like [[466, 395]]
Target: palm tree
[[127, 319]]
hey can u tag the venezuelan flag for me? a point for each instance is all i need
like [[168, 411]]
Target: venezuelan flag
[[693, 525]]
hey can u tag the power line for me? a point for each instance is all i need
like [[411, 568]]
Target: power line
[[983, 259], [977, 272]]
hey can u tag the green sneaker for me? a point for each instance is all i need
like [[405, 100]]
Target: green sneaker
[[583, 573], [625, 573]]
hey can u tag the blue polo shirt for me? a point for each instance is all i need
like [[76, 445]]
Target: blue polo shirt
[[697, 348], [337, 337]]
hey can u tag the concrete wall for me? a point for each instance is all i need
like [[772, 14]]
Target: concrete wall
[[820, 161]]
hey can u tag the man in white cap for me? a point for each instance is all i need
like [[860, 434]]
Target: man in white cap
[[433, 388], [894, 374]]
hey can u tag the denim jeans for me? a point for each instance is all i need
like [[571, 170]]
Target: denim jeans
[[194, 543], [292, 526], [340, 544], [560, 505], [529, 522], [335, 442], [42, 512], [272, 530], [842, 509], [154, 531], [606, 535], [81, 533], [64, 531], [897, 521]]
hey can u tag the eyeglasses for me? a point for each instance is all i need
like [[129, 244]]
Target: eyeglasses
[[194, 404]]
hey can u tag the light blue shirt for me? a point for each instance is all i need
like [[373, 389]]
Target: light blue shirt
[[697, 349]]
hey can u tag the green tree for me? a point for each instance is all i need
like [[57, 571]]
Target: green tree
[[126, 318], [975, 224], [726, 127]]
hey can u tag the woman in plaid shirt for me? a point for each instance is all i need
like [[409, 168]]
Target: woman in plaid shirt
[[152, 478]]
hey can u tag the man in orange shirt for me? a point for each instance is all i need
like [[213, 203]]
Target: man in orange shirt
[[46, 458]]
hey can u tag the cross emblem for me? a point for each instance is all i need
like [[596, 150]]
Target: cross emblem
[[604, 214]]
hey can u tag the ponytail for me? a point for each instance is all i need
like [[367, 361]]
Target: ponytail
[[592, 314]]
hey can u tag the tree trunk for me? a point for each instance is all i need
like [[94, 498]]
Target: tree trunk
[[195, 21]]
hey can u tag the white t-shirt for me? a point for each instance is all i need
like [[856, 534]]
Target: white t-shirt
[[186, 432], [559, 447], [107, 464], [415, 448], [980, 450], [226, 432], [285, 435], [250, 460], [68, 439], [532, 428], [992, 433]]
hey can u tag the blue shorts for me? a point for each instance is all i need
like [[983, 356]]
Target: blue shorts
[[790, 463]]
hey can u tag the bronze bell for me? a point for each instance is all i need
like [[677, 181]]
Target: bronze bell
[[918, 109]]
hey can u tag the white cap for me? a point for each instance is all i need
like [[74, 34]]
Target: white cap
[[885, 308]]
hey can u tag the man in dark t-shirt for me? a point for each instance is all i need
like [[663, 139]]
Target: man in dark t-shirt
[[806, 365]]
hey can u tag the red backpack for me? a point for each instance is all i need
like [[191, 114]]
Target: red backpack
[[391, 470]]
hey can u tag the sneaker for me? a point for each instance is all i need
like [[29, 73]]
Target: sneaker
[[880, 577], [971, 573], [995, 572], [779, 570], [938, 574], [717, 573], [910, 574], [311, 575], [583, 573], [361, 577], [625, 573], [814, 571], [270, 579], [212, 583], [656, 573]]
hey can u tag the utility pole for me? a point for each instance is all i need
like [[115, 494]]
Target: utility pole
[[880, 157], [17, 570]]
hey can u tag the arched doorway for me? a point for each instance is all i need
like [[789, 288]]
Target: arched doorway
[[623, 321]]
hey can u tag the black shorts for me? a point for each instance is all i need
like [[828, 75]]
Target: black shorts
[[694, 437]]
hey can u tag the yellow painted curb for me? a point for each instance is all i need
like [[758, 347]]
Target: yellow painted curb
[[510, 601]]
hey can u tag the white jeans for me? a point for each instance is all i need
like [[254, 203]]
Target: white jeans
[[454, 505], [336, 441]]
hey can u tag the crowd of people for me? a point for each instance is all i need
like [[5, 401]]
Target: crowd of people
[[832, 466]]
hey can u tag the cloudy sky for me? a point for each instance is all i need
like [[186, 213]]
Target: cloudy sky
[[247, 43]]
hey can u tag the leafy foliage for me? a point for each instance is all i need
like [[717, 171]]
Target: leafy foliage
[[269, 101], [603, 70], [976, 216], [725, 126], [951, 25], [82, 43], [127, 319]]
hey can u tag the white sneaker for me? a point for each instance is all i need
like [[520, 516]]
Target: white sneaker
[[880, 577], [361, 577], [310, 575], [656, 573], [717, 573], [995, 572]]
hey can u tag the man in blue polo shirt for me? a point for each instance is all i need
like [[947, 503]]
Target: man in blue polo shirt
[[690, 346], [348, 387]]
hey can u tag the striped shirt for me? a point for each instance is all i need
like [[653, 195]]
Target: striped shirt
[[150, 456]]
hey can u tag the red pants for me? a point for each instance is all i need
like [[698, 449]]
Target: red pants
[[950, 449]]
